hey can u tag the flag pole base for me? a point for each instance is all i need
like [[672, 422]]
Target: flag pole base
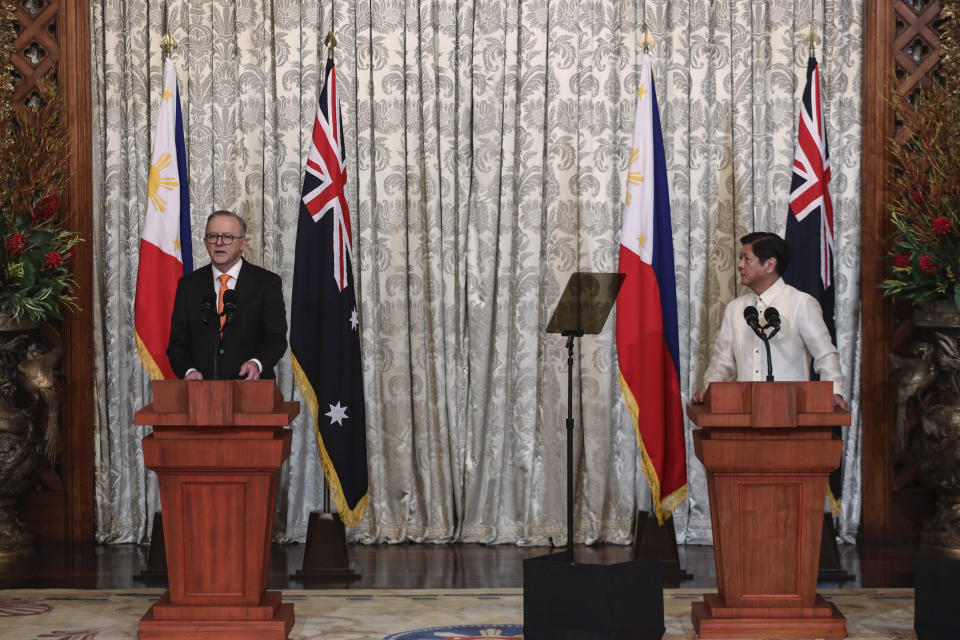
[[326, 558], [156, 570], [650, 540], [830, 568]]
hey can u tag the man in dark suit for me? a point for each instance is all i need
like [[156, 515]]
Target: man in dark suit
[[215, 334]]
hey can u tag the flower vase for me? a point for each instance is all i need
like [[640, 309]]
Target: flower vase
[[19, 441], [937, 442]]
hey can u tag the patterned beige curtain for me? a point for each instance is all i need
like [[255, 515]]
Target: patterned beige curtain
[[487, 147]]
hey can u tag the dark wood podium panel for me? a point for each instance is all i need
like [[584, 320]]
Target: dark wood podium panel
[[768, 449], [217, 447]]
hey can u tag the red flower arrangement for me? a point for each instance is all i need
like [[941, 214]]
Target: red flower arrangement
[[927, 264], [942, 226], [46, 208], [52, 260], [35, 281], [902, 260], [924, 255], [15, 245]]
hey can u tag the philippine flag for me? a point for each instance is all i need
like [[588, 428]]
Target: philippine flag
[[166, 252], [647, 341]]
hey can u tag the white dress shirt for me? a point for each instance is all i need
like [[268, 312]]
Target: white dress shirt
[[233, 272], [739, 354]]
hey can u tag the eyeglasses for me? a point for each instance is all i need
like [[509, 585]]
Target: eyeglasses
[[225, 238]]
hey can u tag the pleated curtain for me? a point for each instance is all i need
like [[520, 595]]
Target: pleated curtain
[[487, 146]]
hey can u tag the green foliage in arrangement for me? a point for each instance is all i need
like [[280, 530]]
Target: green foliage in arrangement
[[35, 247], [924, 259]]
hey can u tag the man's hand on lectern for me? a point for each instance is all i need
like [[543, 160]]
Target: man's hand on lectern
[[193, 375], [250, 371], [697, 398], [838, 401]]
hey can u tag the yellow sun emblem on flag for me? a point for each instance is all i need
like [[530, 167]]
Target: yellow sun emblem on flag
[[156, 181], [633, 177]]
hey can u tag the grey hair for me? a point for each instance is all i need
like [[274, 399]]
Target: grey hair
[[224, 212]]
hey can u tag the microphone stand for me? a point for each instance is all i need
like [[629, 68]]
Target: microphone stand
[[766, 343], [218, 348], [757, 329], [206, 311], [227, 313], [571, 335]]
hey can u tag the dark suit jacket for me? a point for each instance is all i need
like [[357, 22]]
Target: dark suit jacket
[[258, 328]]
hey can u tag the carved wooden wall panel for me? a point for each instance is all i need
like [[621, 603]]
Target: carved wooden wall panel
[[37, 46], [901, 54], [916, 47], [54, 36]]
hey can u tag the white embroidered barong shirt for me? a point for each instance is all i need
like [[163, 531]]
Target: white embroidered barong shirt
[[738, 354]]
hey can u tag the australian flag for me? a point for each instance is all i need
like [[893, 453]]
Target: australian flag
[[810, 218], [324, 323]]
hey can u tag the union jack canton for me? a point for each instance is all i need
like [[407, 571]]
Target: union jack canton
[[327, 162], [810, 189]]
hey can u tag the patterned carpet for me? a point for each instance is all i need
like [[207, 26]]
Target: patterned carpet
[[376, 614]]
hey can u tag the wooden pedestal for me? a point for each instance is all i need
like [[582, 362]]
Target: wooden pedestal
[[217, 447], [768, 449]]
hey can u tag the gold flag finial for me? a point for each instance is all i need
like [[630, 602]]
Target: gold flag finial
[[331, 42], [168, 44], [813, 40], [647, 40]]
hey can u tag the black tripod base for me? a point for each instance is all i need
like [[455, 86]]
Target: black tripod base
[[565, 601]]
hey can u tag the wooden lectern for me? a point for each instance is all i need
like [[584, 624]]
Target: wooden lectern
[[217, 447], [768, 449]]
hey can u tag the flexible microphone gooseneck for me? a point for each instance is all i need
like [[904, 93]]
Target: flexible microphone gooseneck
[[772, 318], [207, 309], [229, 309], [752, 316], [230, 304]]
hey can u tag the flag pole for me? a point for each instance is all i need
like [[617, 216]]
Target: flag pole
[[323, 304], [331, 42]]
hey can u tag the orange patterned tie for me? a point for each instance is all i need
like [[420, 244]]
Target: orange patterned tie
[[224, 279]]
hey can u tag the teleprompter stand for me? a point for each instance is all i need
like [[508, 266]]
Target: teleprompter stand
[[563, 600]]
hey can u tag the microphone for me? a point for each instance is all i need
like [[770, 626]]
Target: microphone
[[772, 316], [752, 316], [229, 305], [207, 309]]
